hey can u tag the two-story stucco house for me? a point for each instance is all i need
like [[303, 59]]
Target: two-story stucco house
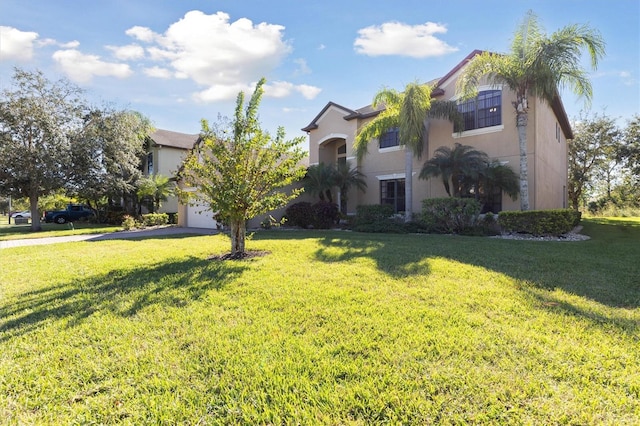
[[489, 126]]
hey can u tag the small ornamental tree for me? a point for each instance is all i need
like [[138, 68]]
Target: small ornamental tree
[[240, 171]]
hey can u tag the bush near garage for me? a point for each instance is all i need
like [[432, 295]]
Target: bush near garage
[[155, 219]]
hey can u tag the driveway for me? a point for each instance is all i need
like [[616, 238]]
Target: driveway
[[141, 233]]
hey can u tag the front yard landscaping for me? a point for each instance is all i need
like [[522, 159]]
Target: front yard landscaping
[[330, 327]]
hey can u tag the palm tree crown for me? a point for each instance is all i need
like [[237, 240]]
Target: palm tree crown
[[455, 165], [536, 65], [408, 111], [345, 177]]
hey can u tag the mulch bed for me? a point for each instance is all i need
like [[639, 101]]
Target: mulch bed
[[249, 254]]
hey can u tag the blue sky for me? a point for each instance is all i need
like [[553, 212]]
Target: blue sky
[[180, 61]]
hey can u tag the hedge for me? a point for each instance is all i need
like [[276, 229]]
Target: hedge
[[450, 215], [539, 222]]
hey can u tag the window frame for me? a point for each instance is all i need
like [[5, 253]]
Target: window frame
[[397, 200], [390, 139], [482, 112]]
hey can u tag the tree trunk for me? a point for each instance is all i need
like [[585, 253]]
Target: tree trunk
[[238, 234], [35, 217], [408, 184], [521, 124]]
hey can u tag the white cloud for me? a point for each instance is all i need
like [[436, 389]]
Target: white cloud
[[216, 53], [141, 33], [220, 92], [627, 78], [51, 42], [303, 68], [128, 52], [158, 72], [82, 68], [309, 92], [282, 89], [278, 89], [396, 38], [16, 44], [70, 45]]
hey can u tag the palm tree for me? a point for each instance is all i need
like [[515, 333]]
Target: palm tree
[[458, 165], [409, 111], [536, 65], [345, 177], [319, 181], [156, 188], [497, 178]]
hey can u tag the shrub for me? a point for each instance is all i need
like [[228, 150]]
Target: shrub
[[155, 219], [114, 217], [373, 213], [377, 218], [128, 223], [450, 215], [325, 214], [300, 214], [271, 222], [539, 222]]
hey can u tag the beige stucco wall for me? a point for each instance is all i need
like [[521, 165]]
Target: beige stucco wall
[[550, 159], [166, 162], [322, 143]]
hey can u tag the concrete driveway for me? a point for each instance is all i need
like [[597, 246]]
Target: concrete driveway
[[141, 233]]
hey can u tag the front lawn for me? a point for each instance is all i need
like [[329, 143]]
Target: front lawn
[[328, 328]]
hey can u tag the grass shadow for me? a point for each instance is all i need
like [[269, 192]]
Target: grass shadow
[[124, 292], [604, 269]]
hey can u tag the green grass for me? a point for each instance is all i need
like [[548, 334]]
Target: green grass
[[15, 232], [328, 328]]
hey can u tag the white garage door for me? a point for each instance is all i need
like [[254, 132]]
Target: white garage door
[[200, 217]]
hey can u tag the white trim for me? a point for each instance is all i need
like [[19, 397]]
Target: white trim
[[332, 136], [476, 132], [350, 158], [391, 149], [394, 176]]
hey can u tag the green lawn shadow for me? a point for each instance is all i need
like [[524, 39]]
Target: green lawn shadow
[[604, 269], [123, 292]]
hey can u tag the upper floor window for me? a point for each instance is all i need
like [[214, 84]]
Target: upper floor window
[[150, 163], [483, 111], [389, 138]]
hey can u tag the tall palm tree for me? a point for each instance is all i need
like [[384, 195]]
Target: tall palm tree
[[345, 177], [409, 111], [458, 165], [319, 181], [536, 65]]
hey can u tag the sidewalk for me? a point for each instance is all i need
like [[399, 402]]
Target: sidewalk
[[141, 233]]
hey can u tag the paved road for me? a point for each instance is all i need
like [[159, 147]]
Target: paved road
[[143, 233]]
